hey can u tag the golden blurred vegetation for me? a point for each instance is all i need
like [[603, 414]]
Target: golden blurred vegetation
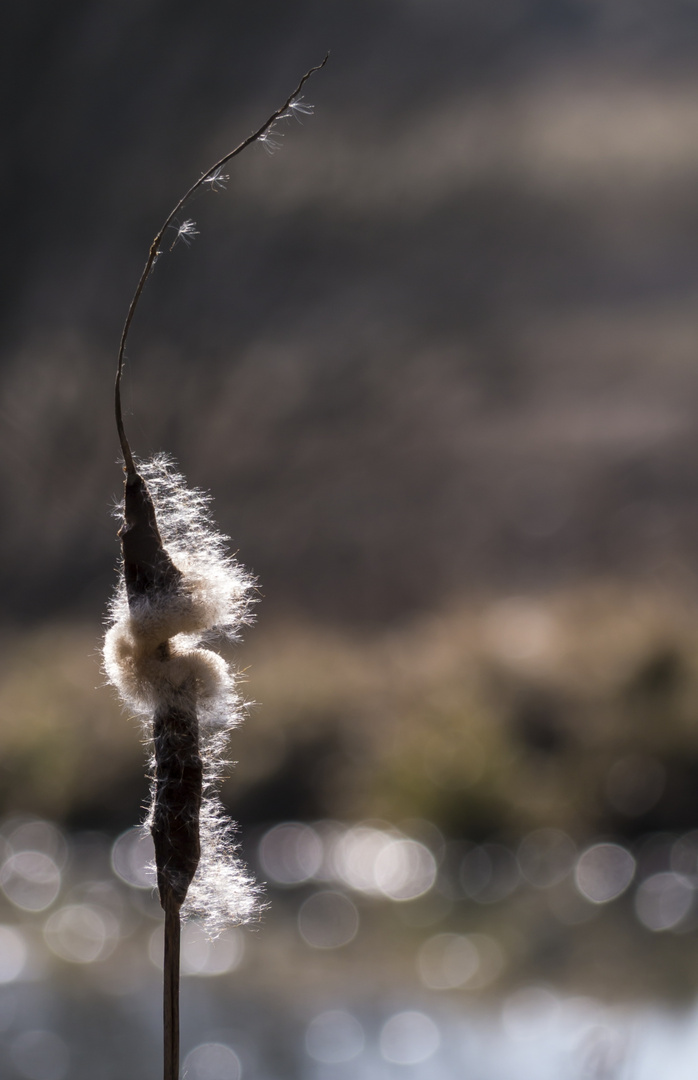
[[577, 709]]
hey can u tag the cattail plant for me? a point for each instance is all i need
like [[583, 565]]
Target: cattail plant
[[180, 591]]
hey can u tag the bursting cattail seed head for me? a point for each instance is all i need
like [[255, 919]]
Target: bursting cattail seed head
[[178, 592]]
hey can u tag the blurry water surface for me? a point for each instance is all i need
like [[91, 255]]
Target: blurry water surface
[[383, 955]]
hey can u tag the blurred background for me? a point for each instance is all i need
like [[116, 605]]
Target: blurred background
[[435, 359]]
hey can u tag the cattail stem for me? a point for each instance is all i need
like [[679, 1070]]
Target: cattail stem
[[170, 1012], [175, 829], [149, 573]]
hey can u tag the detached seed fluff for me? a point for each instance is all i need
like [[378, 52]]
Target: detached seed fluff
[[158, 652], [271, 139], [217, 179], [186, 232], [298, 106]]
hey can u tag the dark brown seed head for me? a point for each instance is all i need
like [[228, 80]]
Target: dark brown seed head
[[148, 568]]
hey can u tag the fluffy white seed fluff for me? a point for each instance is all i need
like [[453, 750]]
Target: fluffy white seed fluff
[[211, 603]]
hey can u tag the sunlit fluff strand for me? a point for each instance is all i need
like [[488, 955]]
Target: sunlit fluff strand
[[211, 602]]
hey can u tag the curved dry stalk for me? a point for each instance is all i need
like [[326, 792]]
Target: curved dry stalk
[[129, 463]]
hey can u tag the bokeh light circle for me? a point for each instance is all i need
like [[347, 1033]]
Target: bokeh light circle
[[408, 1038], [328, 920], [133, 859], [334, 1037], [404, 870], [31, 880], [33, 834], [459, 961], [448, 961], [603, 872], [13, 953], [663, 901], [81, 933], [546, 857], [489, 873], [212, 1061], [204, 956], [290, 853]]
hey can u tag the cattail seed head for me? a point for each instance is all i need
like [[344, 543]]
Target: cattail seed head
[[178, 589]]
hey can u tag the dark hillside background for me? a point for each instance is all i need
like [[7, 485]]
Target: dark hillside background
[[442, 343]]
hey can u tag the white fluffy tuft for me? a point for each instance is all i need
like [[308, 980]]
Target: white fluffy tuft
[[212, 602]]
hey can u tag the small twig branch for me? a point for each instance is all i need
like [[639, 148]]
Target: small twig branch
[[129, 463]]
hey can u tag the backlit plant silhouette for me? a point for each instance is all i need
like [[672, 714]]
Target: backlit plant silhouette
[[178, 589]]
